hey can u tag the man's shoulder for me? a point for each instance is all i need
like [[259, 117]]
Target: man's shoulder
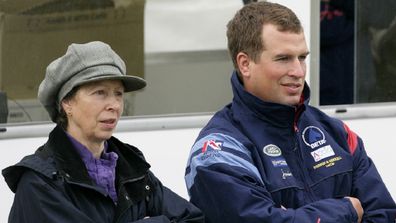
[[320, 114], [221, 122]]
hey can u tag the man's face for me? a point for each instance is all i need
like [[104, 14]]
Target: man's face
[[279, 74]]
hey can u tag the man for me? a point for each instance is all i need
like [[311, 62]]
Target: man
[[269, 156]]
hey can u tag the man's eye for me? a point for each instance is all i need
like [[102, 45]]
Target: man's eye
[[302, 58], [282, 58]]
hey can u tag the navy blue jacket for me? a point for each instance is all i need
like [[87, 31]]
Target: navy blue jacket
[[53, 185], [265, 162]]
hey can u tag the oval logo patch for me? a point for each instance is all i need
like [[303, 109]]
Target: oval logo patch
[[272, 150]]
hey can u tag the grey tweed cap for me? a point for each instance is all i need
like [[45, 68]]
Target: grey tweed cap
[[83, 63]]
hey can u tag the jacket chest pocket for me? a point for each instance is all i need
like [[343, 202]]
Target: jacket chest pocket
[[140, 189], [332, 177], [279, 176], [334, 185], [285, 189]]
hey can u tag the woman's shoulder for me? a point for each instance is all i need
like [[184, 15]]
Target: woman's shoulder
[[39, 163]]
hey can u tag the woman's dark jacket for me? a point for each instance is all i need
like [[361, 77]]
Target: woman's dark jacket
[[53, 185]]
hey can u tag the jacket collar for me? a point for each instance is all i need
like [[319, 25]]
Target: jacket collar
[[130, 163], [246, 104], [57, 158], [67, 160]]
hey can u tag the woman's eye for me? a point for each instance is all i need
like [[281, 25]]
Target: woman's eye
[[119, 93], [100, 92]]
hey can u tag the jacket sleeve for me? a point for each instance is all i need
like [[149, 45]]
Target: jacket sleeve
[[223, 181], [167, 206], [368, 186], [36, 200]]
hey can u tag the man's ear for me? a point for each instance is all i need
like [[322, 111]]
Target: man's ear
[[243, 62]]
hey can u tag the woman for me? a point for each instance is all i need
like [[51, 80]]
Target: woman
[[82, 173]]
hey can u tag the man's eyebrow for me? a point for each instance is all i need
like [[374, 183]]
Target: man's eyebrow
[[280, 55]]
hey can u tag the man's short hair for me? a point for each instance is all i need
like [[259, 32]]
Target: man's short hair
[[244, 31]]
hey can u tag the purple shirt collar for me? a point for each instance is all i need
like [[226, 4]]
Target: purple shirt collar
[[102, 170]]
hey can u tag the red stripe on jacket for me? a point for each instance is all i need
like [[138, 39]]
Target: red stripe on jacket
[[352, 139]]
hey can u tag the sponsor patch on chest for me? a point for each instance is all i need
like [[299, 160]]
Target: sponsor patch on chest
[[322, 153], [272, 150], [313, 137]]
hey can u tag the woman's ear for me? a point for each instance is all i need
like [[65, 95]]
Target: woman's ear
[[243, 62], [66, 105]]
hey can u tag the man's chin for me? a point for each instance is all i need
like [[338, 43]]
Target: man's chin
[[292, 101]]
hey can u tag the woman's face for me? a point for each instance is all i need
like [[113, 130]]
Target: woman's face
[[94, 110]]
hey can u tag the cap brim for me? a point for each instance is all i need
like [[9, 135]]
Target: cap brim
[[131, 83]]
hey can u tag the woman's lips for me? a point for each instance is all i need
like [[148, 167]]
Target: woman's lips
[[109, 123]]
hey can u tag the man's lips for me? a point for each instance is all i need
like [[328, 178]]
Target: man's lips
[[293, 85], [292, 88]]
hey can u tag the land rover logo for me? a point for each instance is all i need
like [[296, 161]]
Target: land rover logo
[[272, 150]]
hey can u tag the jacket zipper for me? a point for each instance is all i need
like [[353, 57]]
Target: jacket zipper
[[297, 148]]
